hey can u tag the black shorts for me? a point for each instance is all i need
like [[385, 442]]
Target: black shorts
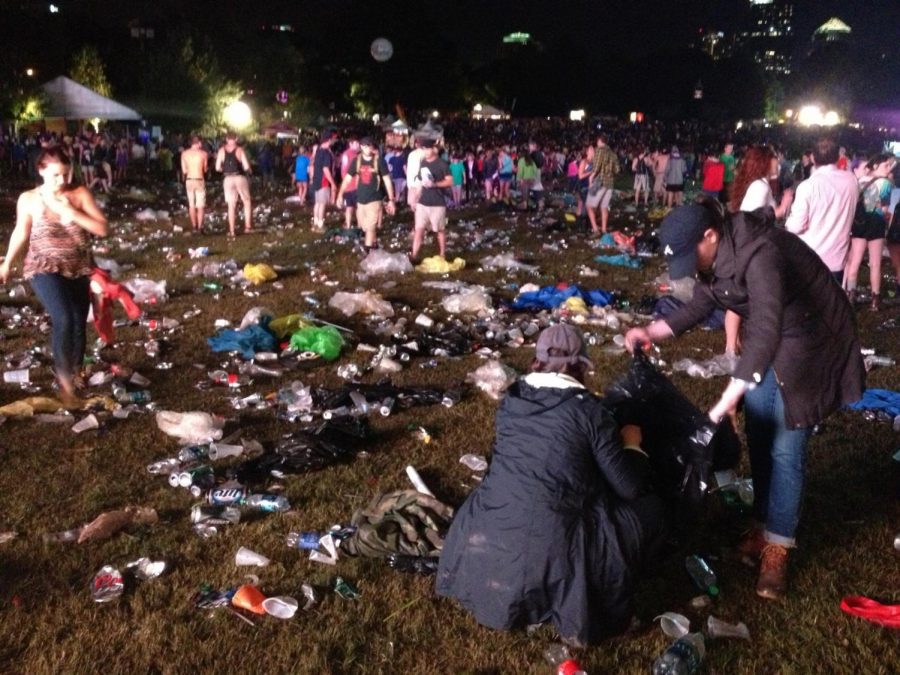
[[350, 199], [893, 233], [675, 187], [871, 228]]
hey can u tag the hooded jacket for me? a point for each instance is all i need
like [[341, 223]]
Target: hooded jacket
[[548, 534], [797, 320]]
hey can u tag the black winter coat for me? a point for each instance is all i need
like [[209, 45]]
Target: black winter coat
[[797, 320], [549, 535]]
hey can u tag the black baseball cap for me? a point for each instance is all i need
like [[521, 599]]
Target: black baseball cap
[[428, 142], [367, 140], [679, 235]]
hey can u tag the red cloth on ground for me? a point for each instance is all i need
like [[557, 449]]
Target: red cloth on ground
[[871, 610], [104, 294]]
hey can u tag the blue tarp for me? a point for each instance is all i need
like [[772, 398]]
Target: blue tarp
[[620, 260], [248, 341], [551, 297], [879, 399]]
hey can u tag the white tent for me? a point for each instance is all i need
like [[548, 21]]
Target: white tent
[[485, 111], [72, 101]]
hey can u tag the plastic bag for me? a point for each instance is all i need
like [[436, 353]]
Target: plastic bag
[[259, 273], [145, 215], [381, 262], [254, 338], [619, 260], [717, 366], [107, 524], [365, 303], [324, 341], [191, 428], [254, 316], [506, 261], [438, 265], [493, 378], [683, 445], [147, 290], [284, 326], [473, 300], [551, 297]]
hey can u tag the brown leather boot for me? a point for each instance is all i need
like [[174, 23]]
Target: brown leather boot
[[773, 567], [751, 545]]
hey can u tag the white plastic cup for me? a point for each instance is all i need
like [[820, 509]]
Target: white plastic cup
[[20, 376], [89, 422], [281, 606], [424, 320], [139, 380], [245, 556], [223, 450]]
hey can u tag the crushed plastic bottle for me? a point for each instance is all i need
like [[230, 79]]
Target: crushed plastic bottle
[[701, 574], [559, 656], [683, 657], [269, 503], [303, 540]]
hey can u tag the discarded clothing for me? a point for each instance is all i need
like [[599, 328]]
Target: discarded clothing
[[551, 297], [104, 294]]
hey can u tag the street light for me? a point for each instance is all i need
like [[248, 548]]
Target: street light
[[237, 115], [29, 72]]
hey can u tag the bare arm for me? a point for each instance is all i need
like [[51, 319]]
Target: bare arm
[[244, 161], [220, 157], [19, 237], [344, 184], [86, 214]]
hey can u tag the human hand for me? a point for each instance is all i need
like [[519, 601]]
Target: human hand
[[390, 209], [4, 271], [637, 337], [631, 435]]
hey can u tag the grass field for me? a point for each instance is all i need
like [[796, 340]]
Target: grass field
[[53, 479]]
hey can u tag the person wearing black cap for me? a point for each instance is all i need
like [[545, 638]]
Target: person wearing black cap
[[431, 209], [371, 173], [564, 519], [800, 358]]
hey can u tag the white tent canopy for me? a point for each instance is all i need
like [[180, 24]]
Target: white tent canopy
[[70, 100]]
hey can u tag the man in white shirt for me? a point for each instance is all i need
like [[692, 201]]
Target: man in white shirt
[[823, 208]]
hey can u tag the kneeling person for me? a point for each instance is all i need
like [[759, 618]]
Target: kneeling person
[[373, 175]]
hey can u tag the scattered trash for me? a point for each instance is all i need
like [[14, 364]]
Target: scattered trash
[[871, 610], [380, 261], [245, 556], [280, 606], [716, 628], [107, 584], [107, 524], [701, 574], [559, 656], [438, 265], [250, 598], [346, 590], [683, 657], [259, 273], [367, 302], [474, 462], [674, 625], [472, 300], [191, 428], [324, 341], [493, 378]]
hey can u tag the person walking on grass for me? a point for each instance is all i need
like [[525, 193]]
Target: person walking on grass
[[55, 222], [193, 167], [373, 178], [232, 162], [431, 209]]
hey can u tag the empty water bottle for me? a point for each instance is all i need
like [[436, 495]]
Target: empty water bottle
[[268, 502], [193, 453], [701, 574], [683, 657], [558, 656], [303, 540]]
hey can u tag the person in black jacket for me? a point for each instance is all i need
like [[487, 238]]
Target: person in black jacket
[[564, 519], [800, 358]]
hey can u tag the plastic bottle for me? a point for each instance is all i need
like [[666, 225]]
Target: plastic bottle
[[701, 574], [156, 324], [303, 540], [683, 657], [268, 502], [193, 453], [558, 656]]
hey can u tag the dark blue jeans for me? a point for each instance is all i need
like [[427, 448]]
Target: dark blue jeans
[[67, 302], [777, 462]]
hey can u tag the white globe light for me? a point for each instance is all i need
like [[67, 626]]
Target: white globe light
[[831, 118], [810, 115], [237, 115], [382, 49]]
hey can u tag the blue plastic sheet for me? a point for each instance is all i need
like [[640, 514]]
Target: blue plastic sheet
[[879, 399], [619, 260], [252, 339], [551, 297]]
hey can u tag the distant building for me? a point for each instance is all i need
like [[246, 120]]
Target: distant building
[[768, 36], [833, 30], [715, 43]]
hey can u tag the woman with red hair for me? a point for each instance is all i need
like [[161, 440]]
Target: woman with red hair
[[752, 189]]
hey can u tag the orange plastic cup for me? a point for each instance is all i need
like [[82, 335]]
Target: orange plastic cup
[[249, 597]]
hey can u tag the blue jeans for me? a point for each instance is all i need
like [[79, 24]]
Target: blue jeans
[[777, 462], [67, 302]]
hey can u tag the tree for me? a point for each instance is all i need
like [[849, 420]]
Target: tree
[[88, 69]]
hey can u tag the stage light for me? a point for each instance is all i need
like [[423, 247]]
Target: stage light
[[237, 115]]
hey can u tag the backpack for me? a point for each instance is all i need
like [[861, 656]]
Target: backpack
[[407, 522], [375, 166]]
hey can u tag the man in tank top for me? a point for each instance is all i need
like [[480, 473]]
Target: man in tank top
[[232, 161]]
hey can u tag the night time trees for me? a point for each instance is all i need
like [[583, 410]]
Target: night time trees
[[88, 69]]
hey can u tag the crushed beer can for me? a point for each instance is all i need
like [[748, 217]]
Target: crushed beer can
[[107, 585]]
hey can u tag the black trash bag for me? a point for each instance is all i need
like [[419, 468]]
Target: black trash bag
[[375, 394], [684, 446], [311, 448]]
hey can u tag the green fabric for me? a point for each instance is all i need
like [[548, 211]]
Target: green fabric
[[728, 161]]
